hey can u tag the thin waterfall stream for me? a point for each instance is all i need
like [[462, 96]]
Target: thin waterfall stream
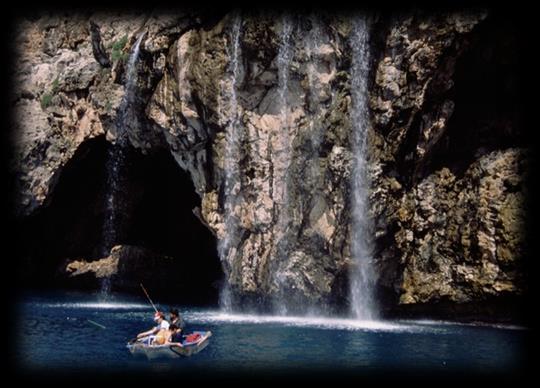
[[282, 162], [115, 164], [314, 43], [362, 274], [226, 246]]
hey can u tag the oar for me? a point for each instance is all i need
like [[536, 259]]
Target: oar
[[95, 323], [148, 296]]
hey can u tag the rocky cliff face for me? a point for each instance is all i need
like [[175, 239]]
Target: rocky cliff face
[[450, 212], [256, 107]]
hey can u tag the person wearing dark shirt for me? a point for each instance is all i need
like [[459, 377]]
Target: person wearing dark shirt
[[176, 335], [176, 319]]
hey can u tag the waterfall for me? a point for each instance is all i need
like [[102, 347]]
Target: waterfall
[[115, 164], [232, 194], [314, 41], [362, 274], [282, 162], [283, 152]]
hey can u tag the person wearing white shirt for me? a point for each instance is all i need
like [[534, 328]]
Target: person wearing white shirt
[[150, 335]]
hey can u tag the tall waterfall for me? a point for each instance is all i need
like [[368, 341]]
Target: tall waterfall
[[115, 164], [314, 41], [362, 274], [284, 138], [232, 193], [282, 160]]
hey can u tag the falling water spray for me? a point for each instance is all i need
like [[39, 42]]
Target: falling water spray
[[362, 274]]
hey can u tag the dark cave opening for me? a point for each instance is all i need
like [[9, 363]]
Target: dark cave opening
[[156, 203], [488, 93]]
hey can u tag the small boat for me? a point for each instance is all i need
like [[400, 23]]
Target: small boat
[[192, 344]]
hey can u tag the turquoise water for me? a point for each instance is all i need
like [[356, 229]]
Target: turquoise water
[[58, 336]]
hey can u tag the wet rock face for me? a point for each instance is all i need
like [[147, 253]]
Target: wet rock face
[[63, 96], [467, 233], [285, 177], [439, 233], [442, 233]]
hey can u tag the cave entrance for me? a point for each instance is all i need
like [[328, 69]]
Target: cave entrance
[[157, 200], [488, 93]]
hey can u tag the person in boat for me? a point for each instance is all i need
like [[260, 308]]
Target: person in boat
[[158, 333], [176, 319], [175, 336]]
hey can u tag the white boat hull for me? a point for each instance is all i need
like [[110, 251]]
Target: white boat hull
[[170, 350]]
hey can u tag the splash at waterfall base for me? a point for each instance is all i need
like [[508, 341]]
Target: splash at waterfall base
[[257, 345]]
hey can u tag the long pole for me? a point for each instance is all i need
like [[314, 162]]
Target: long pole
[[96, 324], [148, 296]]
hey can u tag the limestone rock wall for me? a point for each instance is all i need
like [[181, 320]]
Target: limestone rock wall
[[63, 97], [293, 178], [439, 234]]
